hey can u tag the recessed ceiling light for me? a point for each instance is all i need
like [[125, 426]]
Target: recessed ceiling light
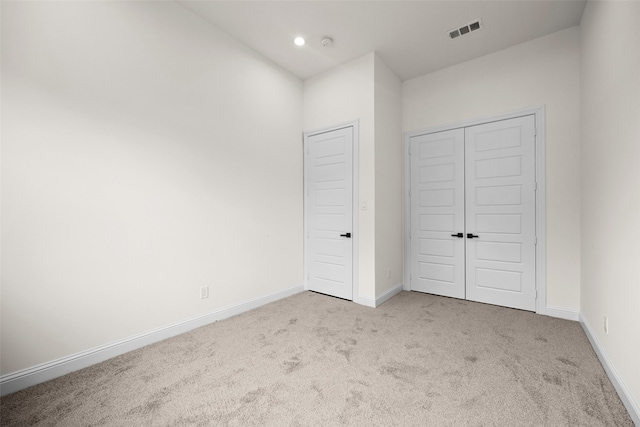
[[299, 41]]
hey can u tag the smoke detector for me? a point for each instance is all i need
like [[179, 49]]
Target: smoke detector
[[465, 29], [326, 42]]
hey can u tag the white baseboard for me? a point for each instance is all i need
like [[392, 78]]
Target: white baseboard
[[387, 295], [562, 313], [31, 376], [373, 303], [625, 395], [366, 301]]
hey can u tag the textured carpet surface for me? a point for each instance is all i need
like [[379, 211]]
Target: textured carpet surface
[[313, 360]]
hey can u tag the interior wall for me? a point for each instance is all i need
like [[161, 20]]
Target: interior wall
[[342, 95], [144, 154], [388, 177], [611, 183], [542, 71]]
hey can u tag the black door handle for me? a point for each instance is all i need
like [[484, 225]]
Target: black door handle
[[460, 235], [471, 236], [347, 235]]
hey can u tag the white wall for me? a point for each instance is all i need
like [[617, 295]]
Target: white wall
[[611, 183], [388, 177], [543, 71], [341, 95], [144, 154]]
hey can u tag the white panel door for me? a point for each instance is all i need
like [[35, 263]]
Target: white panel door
[[478, 183], [437, 213], [500, 213], [329, 210]]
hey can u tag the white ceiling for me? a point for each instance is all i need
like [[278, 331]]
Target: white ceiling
[[410, 36]]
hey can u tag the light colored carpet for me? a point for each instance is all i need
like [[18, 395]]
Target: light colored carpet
[[313, 360]]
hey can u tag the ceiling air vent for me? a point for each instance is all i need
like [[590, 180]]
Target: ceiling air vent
[[465, 29]]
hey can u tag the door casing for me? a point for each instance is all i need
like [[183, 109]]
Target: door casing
[[540, 209], [355, 195]]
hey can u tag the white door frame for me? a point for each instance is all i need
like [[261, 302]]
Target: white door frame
[[539, 114], [356, 230]]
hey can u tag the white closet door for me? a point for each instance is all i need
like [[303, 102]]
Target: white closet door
[[329, 167], [437, 213], [500, 211]]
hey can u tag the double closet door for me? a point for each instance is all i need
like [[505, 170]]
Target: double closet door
[[472, 198]]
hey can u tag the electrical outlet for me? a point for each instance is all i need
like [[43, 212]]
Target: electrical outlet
[[606, 325], [204, 292], [388, 273]]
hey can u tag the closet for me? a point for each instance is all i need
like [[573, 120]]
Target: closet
[[472, 198]]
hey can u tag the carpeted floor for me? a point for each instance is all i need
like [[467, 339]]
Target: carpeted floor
[[313, 360]]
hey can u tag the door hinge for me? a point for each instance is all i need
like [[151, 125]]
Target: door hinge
[[535, 240], [535, 186]]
